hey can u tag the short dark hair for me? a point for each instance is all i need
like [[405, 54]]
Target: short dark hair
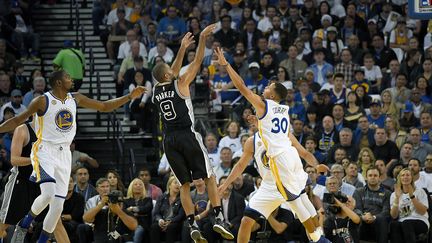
[[280, 90], [101, 180], [373, 167], [339, 75], [56, 75], [311, 138], [402, 74], [222, 177], [159, 71]]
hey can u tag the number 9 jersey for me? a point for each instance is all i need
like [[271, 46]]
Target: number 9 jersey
[[175, 110], [274, 127]]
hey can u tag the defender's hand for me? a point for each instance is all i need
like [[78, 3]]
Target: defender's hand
[[137, 92], [187, 40], [221, 58], [208, 30]]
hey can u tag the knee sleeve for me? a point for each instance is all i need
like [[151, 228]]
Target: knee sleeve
[[45, 198], [299, 209], [308, 205], [53, 215]]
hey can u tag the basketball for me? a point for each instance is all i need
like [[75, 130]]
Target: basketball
[[233, 1]]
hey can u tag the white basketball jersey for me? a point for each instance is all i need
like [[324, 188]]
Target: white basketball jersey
[[274, 127], [262, 161], [57, 125]]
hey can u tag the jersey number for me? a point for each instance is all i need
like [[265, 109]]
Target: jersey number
[[167, 108], [279, 125]]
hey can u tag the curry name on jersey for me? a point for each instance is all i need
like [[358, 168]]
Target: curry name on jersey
[[274, 128], [57, 125], [174, 109]]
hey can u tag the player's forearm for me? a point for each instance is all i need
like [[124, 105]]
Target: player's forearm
[[236, 79], [310, 159], [10, 124], [92, 162], [129, 221], [113, 104], [200, 49], [20, 161], [236, 171], [90, 215], [176, 66]]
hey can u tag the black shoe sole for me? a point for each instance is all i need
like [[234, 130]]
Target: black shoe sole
[[223, 232], [197, 237]]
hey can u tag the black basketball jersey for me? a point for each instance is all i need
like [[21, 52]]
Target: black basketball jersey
[[25, 171], [175, 110]]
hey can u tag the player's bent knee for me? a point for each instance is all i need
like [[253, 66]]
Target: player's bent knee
[[247, 221]]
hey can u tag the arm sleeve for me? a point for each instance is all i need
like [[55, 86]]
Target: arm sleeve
[[147, 94]]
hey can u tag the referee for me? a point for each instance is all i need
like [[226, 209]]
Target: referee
[[20, 192]]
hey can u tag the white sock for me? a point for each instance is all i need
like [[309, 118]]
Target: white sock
[[315, 236], [320, 230]]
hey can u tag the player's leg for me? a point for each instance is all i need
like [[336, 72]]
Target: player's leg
[[60, 233], [310, 207], [182, 173], [199, 164], [245, 229]]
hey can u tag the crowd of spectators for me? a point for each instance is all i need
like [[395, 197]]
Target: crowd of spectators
[[359, 78]]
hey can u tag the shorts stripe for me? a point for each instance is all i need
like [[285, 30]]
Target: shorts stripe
[[7, 196], [275, 172], [35, 149]]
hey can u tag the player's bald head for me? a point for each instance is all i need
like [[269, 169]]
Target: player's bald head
[[160, 71]]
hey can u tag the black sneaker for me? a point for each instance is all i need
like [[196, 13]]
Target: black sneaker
[[196, 236], [222, 228]]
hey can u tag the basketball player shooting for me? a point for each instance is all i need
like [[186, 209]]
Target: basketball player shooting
[[183, 146], [283, 159], [55, 126]]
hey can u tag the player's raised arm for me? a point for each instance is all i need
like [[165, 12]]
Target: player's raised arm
[[109, 105], [304, 154], [187, 40], [195, 65], [19, 140], [240, 166], [37, 105], [238, 82]]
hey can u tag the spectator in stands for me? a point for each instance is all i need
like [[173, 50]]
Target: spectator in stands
[[409, 206], [376, 118], [141, 107], [118, 31], [328, 137], [406, 153], [250, 35], [366, 159], [386, 181], [304, 94], [320, 67], [81, 159], [295, 67], [153, 191], [338, 91], [268, 68], [382, 54], [411, 65], [297, 109], [5, 88], [8, 58], [311, 146], [383, 148], [39, 86], [172, 27], [280, 224], [73, 210], [338, 117], [240, 65], [418, 104], [427, 170], [211, 144], [18, 80], [162, 50], [420, 149], [261, 48], [72, 61], [129, 62], [109, 219], [346, 66], [232, 137], [400, 35], [345, 138], [352, 175], [125, 49], [225, 166], [140, 206], [242, 186], [337, 171], [424, 89], [389, 78], [420, 180], [15, 103], [82, 185], [400, 92], [373, 206], [389, 107], [168, 214], [426, 127], [256, 80], [408, 118], [311, 125], [298, 132], [115, 181], [112, 15], [356, 51], [150, 39], [233, 205], [226, 35], [363, 135]]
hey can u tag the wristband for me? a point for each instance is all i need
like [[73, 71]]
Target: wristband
[[412, 197], [129, 97]]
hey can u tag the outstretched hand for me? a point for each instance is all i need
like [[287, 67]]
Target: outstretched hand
[[187, 40], [137, 92], [220, 56], [208, 30]]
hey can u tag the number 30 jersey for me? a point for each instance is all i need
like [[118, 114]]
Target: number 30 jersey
[[175, 110], [274, 127]]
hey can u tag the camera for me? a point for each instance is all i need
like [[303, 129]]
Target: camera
[[330, 199], [115, 196]]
